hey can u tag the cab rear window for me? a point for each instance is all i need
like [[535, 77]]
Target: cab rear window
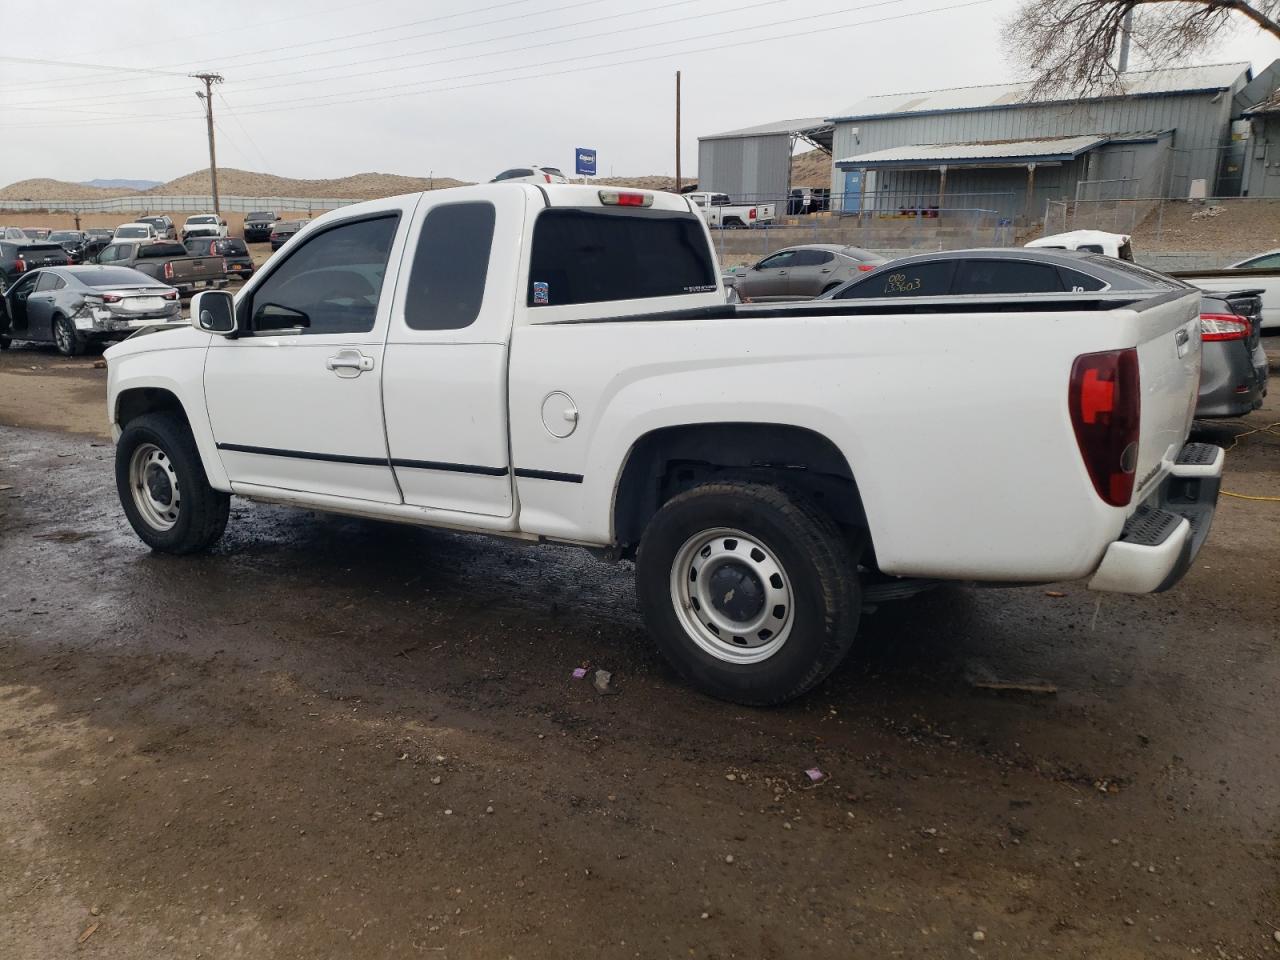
[[595, 256]]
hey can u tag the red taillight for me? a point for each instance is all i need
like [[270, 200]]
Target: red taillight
[[546, 177], [212, 244], [111, 298], [751, 214], [1106, 407], [171, 295], [21, 266], [224, 264], [865, 267], [168, 271], [275, 236], [1223, 326], [624, 198]]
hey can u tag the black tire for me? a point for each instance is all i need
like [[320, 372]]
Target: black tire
[[66, 337], [5, 342], [808, 546], [201, 512]]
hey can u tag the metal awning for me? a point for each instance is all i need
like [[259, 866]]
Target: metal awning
[[814, 130], [981, 153]]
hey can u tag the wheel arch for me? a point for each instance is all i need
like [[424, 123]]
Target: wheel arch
[[145, 396], [666, 461]]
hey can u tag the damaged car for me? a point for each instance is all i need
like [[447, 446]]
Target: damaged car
[[72, 307]]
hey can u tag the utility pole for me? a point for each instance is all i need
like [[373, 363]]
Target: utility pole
[[209, 80], [677, 131]]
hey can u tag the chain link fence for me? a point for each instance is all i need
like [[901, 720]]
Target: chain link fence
[[898, 223], [146, 203]]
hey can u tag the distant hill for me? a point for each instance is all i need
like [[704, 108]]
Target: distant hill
[[245, 183], [121, 184], [231, 182]]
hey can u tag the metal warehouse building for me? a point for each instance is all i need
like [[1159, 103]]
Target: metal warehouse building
[[755, 163], [1168, 133]]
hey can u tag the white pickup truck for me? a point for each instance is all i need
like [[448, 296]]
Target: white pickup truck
[[719, 211], [557, 363]]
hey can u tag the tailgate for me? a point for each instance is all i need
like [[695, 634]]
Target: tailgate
[[198, 268], [1169, 370]]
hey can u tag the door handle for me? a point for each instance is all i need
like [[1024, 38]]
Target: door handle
[[826, 269], [349, 363], [782, 273]]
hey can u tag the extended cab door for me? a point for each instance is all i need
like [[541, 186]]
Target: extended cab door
[[295, 402], [445, 381]]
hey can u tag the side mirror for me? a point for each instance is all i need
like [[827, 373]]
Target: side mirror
[[214, 311]]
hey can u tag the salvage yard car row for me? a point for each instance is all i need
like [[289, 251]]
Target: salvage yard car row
[[52, 288]]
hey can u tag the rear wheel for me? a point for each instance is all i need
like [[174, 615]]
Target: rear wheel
[[66, 337], [5, 342], [749, 590], [163, 487]]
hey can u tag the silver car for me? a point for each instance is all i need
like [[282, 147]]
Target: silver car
[[74, 306], [802, 272]]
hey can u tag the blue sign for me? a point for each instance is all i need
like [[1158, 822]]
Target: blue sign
[[585, 163]]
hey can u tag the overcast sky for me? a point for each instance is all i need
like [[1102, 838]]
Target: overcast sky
[[328, 88]]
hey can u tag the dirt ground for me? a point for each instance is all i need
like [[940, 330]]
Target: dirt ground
[[334, 739]]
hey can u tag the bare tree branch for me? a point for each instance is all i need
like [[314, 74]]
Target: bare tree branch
[[1068, 47]]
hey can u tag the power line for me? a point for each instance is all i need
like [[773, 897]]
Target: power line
[[274, 51], [270, 108], [585, 56], [252, 80], [248, 136]]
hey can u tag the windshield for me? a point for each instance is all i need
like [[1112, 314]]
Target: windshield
[[261, 215], [63, 236], [133, 233], [116, 277], [202, 219]]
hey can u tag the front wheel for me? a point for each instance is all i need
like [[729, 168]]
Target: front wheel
[[163, 487], [5, 342], [749, 590], [66, 337]]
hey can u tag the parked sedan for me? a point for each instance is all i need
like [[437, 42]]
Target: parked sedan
[[1234, 368], [282, 231], [72, 307], [14, 233], [17, 258], [802, 272], [231, 249]]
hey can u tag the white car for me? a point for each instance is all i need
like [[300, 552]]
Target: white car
[[505, 360], [204, 225], [530, 174], [135, 231]]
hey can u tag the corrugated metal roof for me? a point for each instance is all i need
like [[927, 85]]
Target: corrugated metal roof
[[1022, 151], [1269, 105], [804, 126], [1218, 76]]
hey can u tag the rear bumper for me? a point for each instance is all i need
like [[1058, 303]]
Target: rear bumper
[[1233, 381], [1160, 541]]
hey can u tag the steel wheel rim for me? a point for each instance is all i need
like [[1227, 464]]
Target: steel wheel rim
[[708, 570], [153, 482], [61, 337]]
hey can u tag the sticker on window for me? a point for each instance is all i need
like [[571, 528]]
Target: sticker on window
[[541, 294]]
